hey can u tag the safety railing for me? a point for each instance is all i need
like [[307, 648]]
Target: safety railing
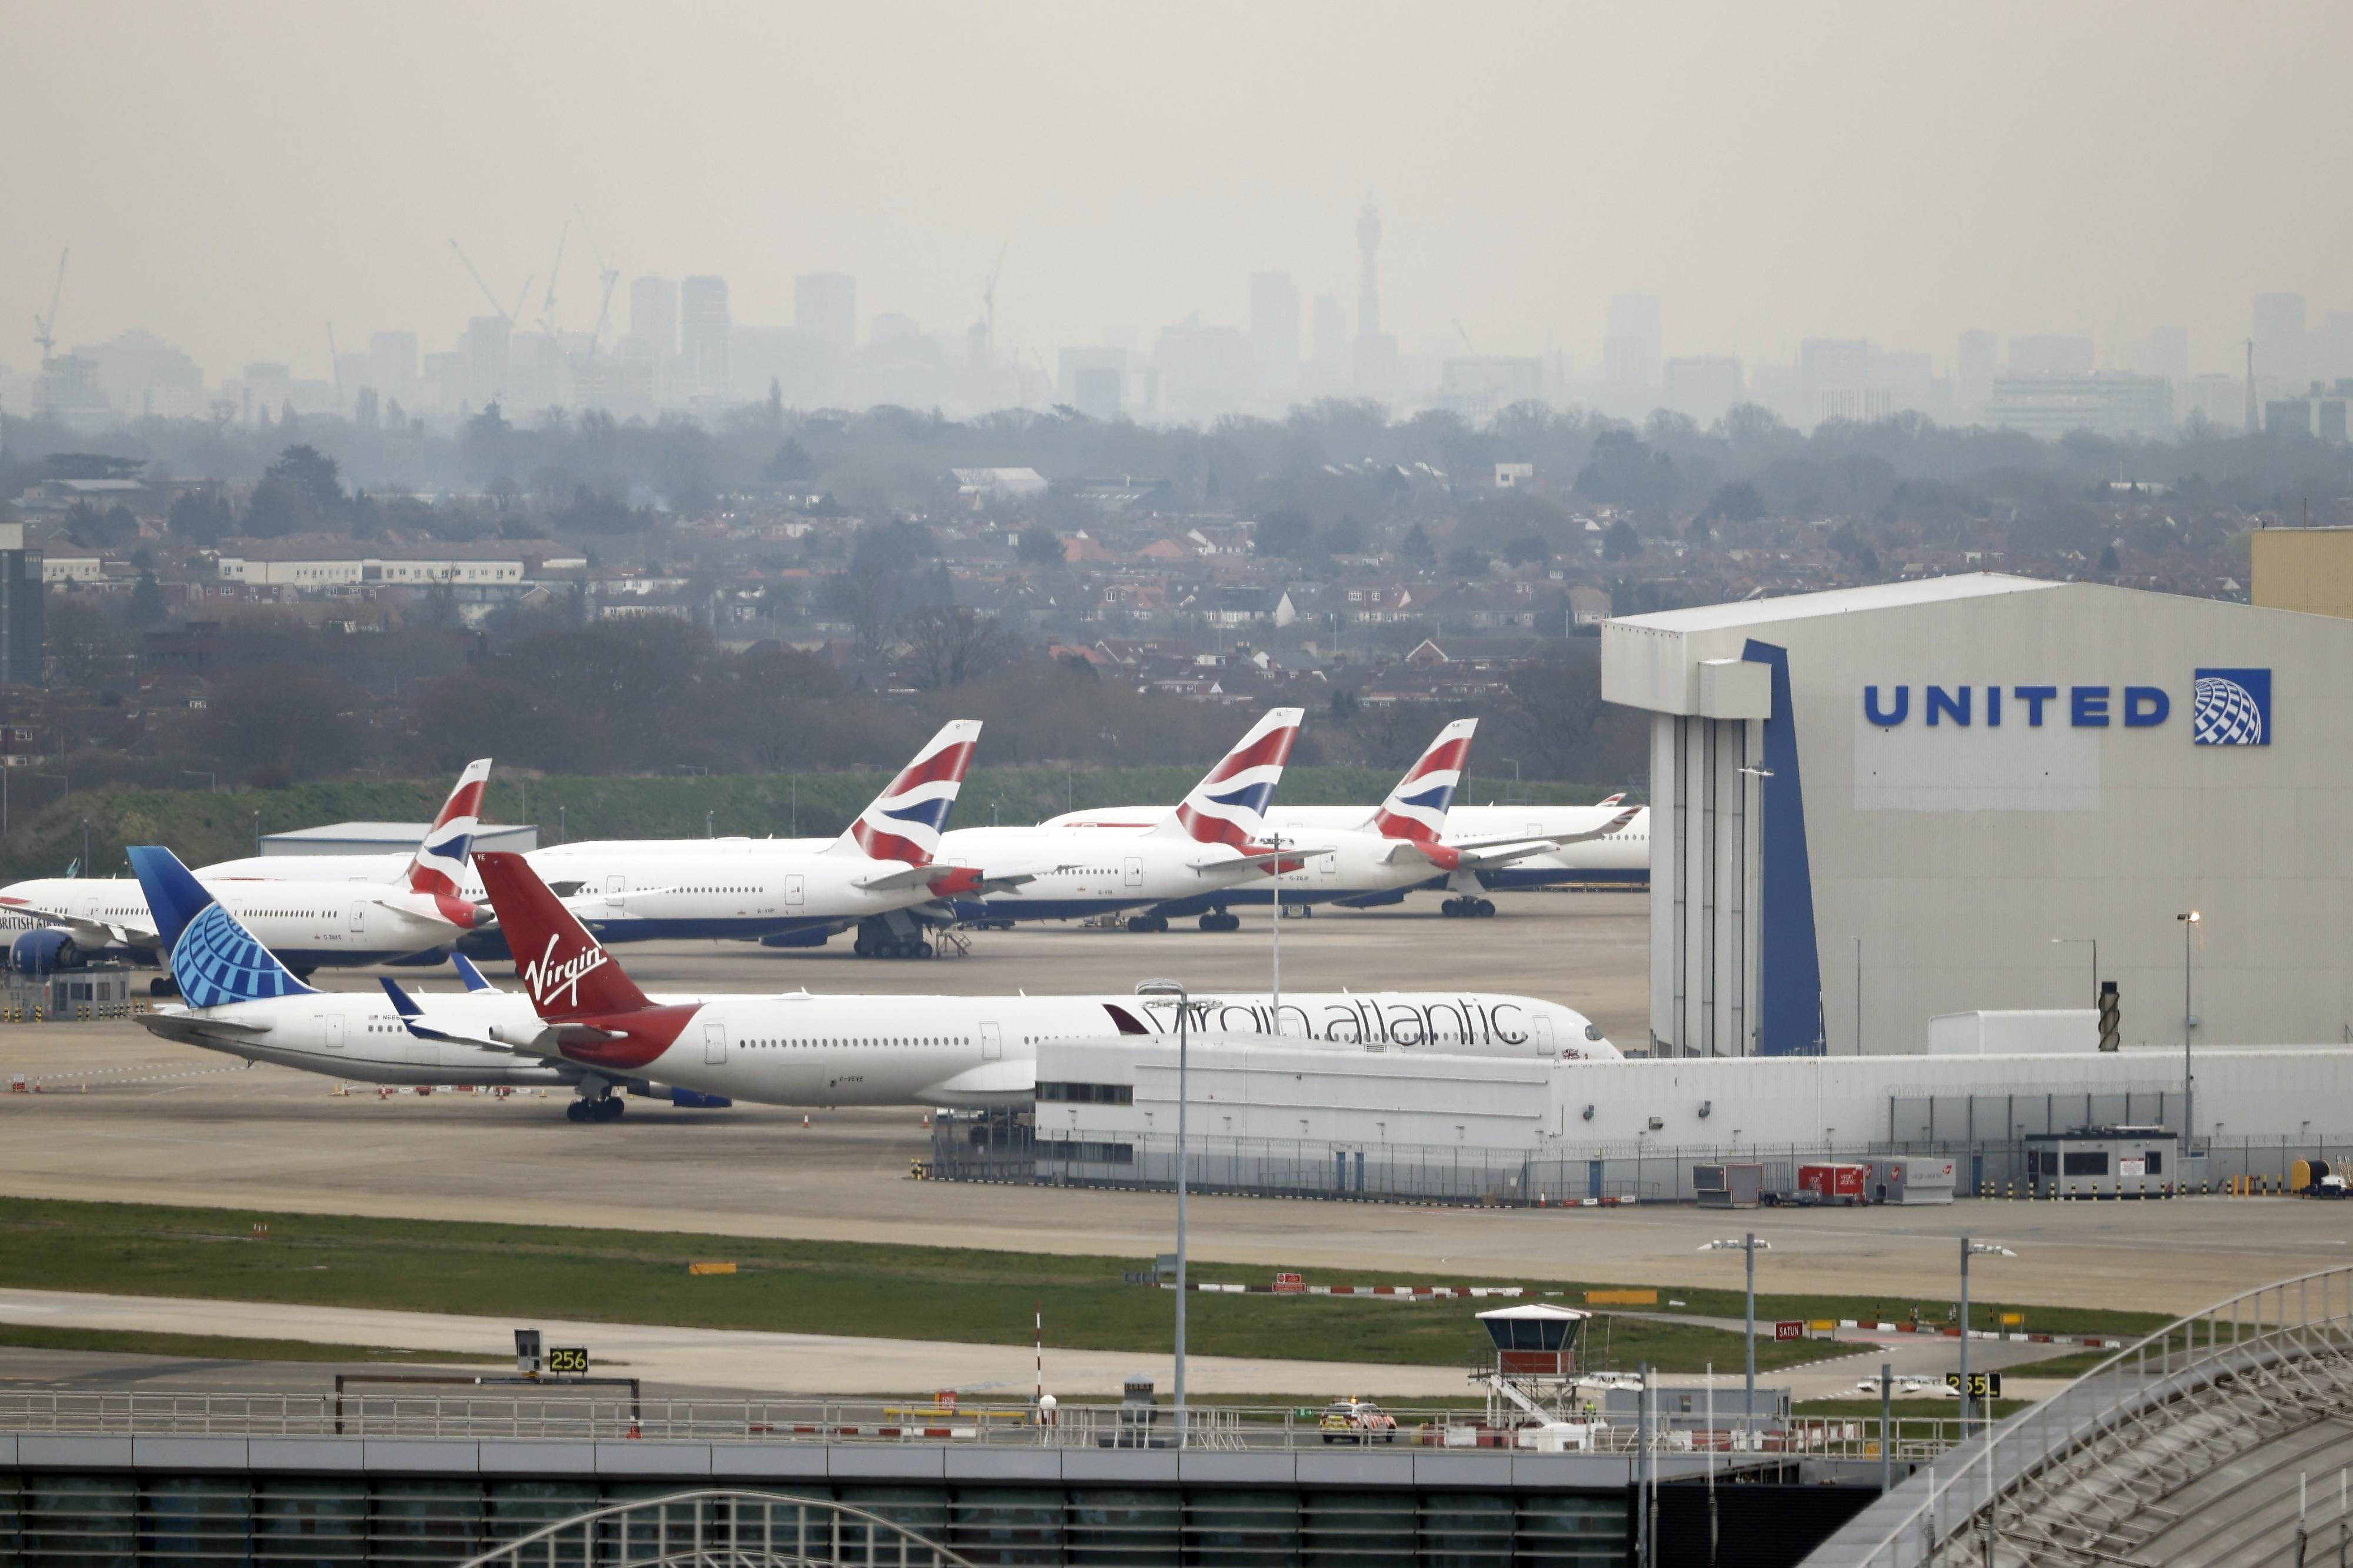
[[722, 1529], [585, 1415], [1991, 1485]]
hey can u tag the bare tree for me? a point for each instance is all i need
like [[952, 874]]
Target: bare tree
[[948, 645]]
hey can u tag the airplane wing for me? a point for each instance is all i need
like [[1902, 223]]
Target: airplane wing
[[1473, 853], [956, 880], [88, 931], [1261, 857], [539, 1040]]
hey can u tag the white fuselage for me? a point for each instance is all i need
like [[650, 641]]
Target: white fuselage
[[308, 925], [1620, 857], [646, 890], [803, 1049], [1078, 873]]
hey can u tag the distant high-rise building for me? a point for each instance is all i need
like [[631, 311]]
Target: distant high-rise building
[[392, 363], [825, 305], [2169, 352], [2329, 351], [23, 623], [704, 331], [653, 315], [1703, 386], [1094, 381], [484, 347], [1274, 326], [1331, 332], [2050, 356], [1974, 362], [1376, 350], [2279, 339], [1836, 373], [1630, 354]]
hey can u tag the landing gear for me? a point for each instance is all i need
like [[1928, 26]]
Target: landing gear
[[876, 939], [1467, 909], [1147, 922], [608, 1109], [1219, 919]]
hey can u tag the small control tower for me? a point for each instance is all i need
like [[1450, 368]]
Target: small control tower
[[1535, 1363]]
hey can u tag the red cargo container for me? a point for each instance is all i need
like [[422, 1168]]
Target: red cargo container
[[1834, 1184]]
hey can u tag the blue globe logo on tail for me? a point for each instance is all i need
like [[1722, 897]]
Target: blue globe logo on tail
[[216, 960], [2232, 708]]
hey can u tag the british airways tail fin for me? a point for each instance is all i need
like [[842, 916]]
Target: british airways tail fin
[[567, 972], [439, 864], [1416, 808], [1228, 806], [904, 821], [216, 960]]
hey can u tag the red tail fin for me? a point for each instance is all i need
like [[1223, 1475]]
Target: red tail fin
[[568, 974]]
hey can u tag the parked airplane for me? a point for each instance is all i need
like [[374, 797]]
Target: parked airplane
[[880, 876], [1210, 845], [1401, 845], [801, 1049], [1596, 843], [309, 923]]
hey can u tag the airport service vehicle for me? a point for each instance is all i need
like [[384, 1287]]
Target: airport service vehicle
[[580, 1007], [1398, 847], [1192, 857], [880, 876], [1358, 1421], [1590, 848], [308, 924]]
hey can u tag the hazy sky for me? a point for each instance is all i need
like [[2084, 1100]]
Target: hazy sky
[[238, 176]]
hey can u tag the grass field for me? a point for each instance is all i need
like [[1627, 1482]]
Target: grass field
[[223, 1347], [969, 1295]]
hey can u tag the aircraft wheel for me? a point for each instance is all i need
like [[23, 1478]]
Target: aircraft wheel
[[1210, 922], [1139, 923], [922, 949], [1227, 920], [861, 948], [576, 1111], [611, 1107], [1452, 909], [1482, 906], [1160, 922]]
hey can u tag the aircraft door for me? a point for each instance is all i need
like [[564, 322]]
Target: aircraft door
[[1329, 865], [796, 892], [334, 1031], [992, 1044], [1541, 1031], [714, 1045], [614, 887], [1133, 872], [359, 919]]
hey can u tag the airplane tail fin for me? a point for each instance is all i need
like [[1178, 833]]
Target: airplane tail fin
[[1611, 799], [567, 972], [1228, 806], [439, 864], [904, 821], [214, 959], [1416, 808]]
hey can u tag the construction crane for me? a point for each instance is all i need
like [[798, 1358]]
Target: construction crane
[[1466, 335], [474, 272], [607, 274], [988, 329], [335, 363], [44, 327], [548, 305]]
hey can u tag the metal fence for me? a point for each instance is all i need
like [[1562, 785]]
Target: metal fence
[[2076, 1477], [722, 1529]]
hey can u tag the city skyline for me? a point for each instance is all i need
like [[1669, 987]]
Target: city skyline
[[260, 174]]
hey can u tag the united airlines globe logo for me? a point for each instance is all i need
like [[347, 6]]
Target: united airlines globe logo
[[217, 963], [2232, 708]]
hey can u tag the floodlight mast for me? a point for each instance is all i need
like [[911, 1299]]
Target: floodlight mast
[[1184, 1017], [1752, 1247]]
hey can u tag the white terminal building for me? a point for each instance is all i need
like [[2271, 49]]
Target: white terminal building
[[1888, 827]]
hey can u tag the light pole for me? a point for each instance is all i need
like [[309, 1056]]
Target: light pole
[[1277, 842], [2095, 942], [1969, 1248], [1752, 1247], [1515, 774], [2189, 1084], [212, 781], [1184, 1015]]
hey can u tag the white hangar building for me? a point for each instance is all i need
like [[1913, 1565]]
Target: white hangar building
[[1878, 805]]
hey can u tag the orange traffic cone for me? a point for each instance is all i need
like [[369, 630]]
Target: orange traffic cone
[[805, 1119]]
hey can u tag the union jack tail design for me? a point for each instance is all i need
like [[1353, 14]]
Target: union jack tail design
[[1416, 808], [438, 867], [1230, 805], [906, 821]]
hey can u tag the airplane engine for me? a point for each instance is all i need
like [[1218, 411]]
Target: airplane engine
[[45, 952]]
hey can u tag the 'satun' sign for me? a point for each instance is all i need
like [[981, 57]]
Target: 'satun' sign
[[2228, 707]]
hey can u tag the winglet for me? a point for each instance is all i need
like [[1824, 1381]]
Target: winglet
[[567, 972], [402, 1003], [904, 821]]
